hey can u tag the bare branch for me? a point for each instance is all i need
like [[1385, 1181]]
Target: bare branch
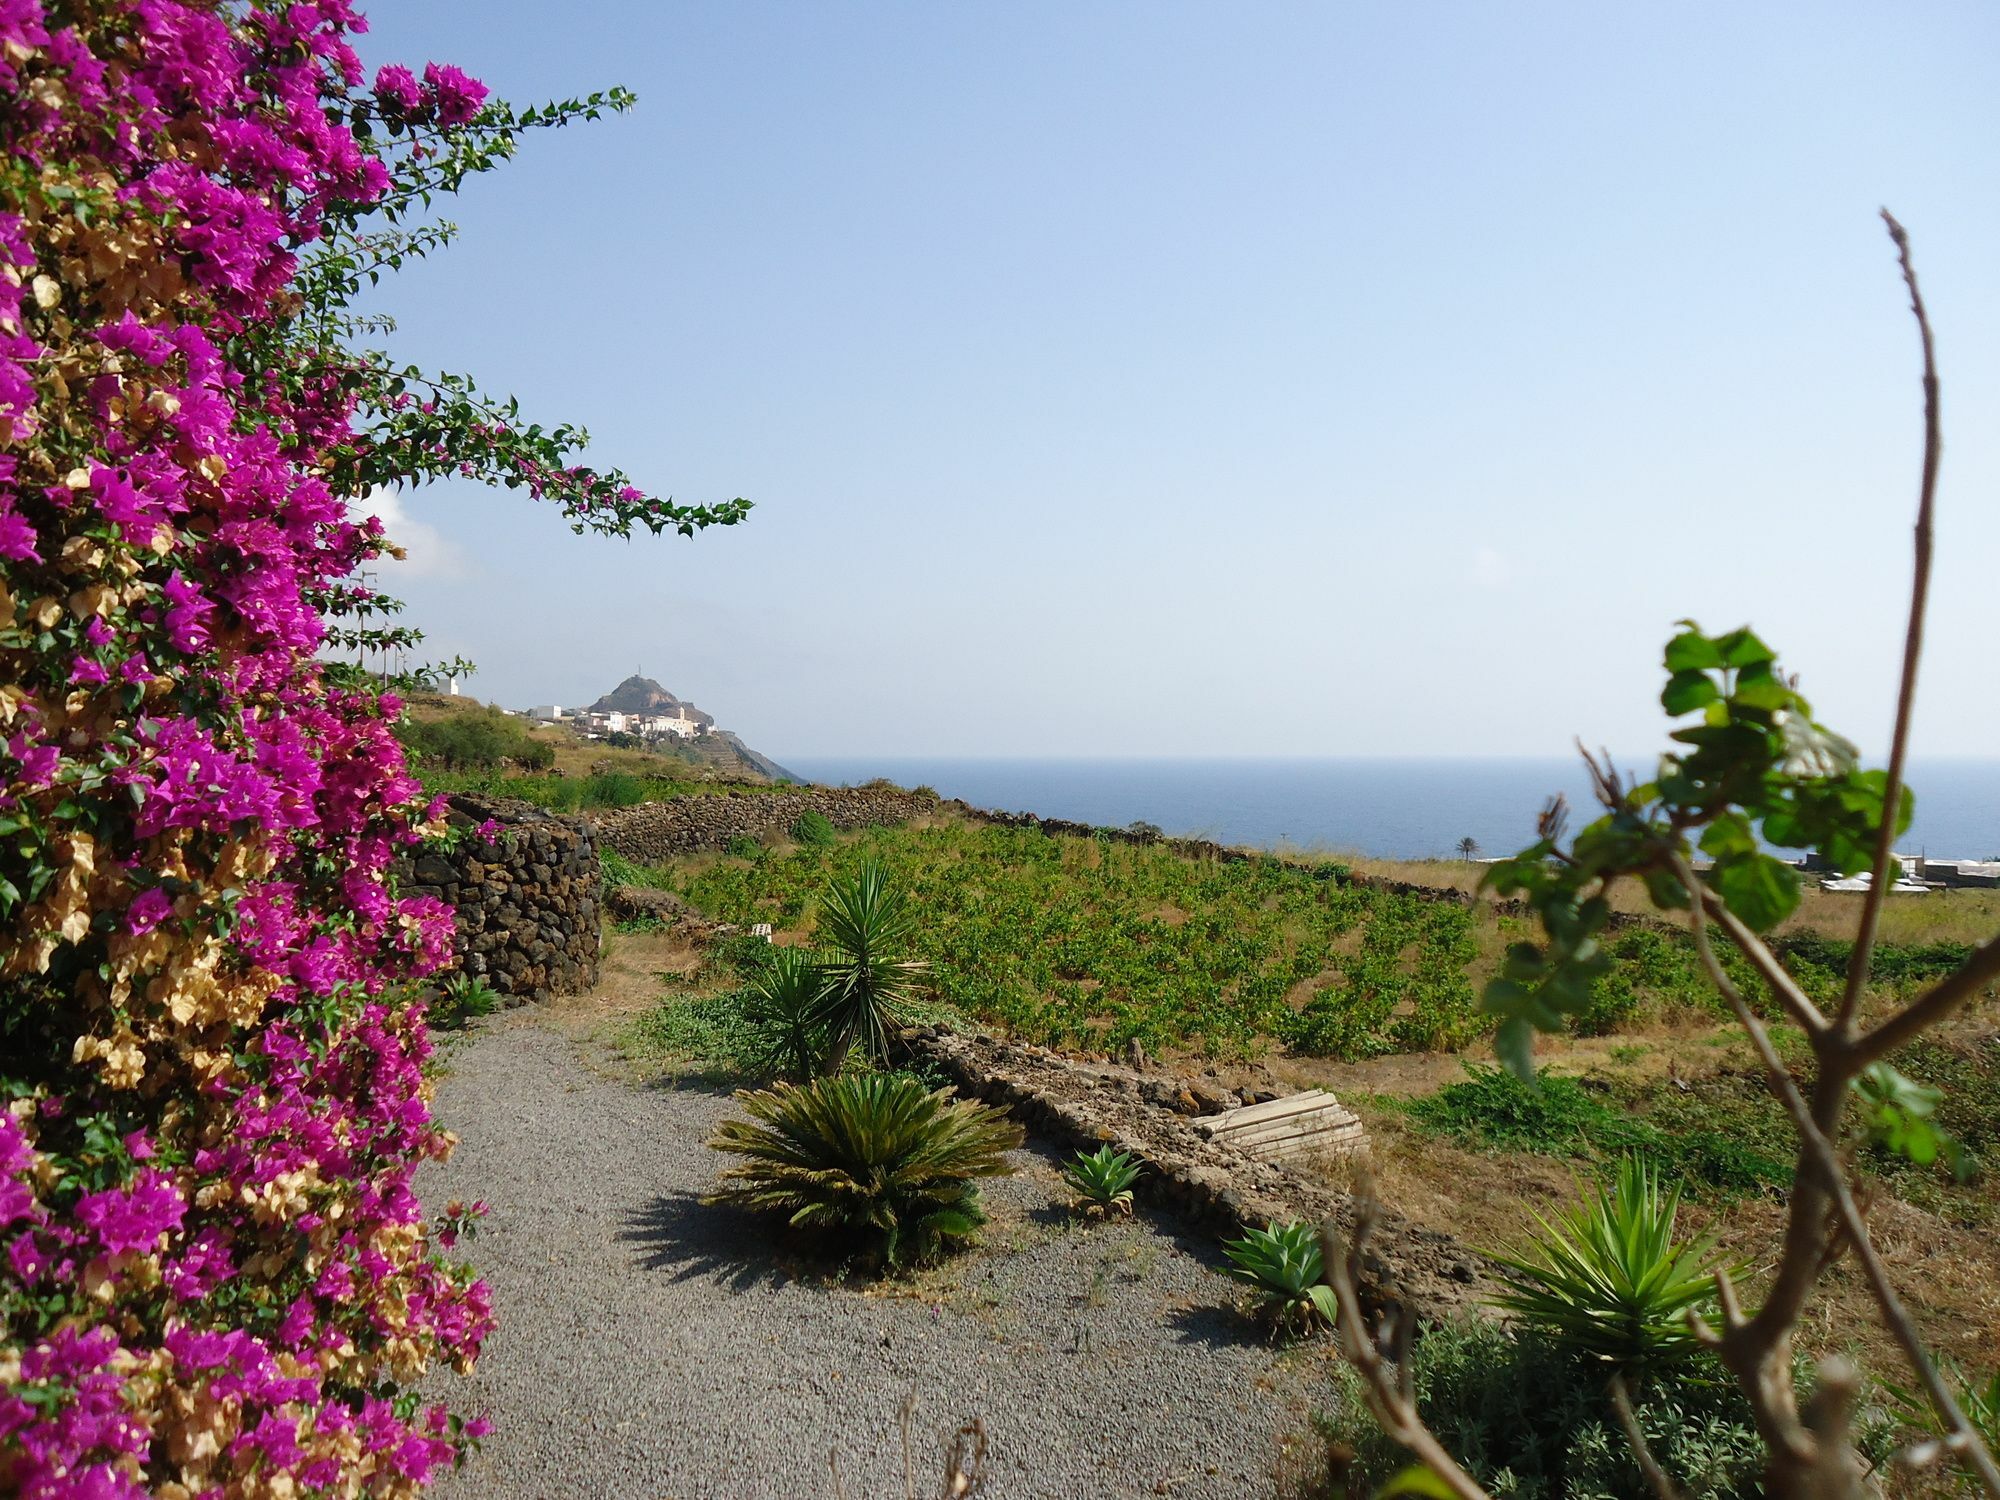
[[1388, 1380], [1933, 1006], [1798, 1005], [1913, 645], [1621, 1402], [1748, 1347]]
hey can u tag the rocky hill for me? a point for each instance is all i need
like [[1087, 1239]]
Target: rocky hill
[[642, 695], [720, 748]]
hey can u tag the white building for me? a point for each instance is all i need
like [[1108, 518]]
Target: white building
[[547, 713]]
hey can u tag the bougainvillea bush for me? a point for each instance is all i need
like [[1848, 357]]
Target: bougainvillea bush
[[214, 1276]]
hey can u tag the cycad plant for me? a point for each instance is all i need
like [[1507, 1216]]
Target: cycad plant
[[872, 1158], [1286, 1267], [783, 1005], [1609, 1281], [868, 929], [1102, 1181]]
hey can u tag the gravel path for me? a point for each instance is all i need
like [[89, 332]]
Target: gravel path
[[650, 1348]]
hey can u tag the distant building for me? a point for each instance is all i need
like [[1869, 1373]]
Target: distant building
[[547, 713]]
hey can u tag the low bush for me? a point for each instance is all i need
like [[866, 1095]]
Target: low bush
[[463, 997], [1286, 1268], [1718, 1144], [475, 740], [784, 1014], [742, 846], [869, 931], [875, 1163], [1609, 1281], [814, 830], [1102, 1181], [1531, 1422]]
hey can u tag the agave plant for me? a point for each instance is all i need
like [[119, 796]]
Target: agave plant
[[1286, 1267], [784, 1008], [871, 1158], [868, 928], [1609, 1280], [1102, 1181]]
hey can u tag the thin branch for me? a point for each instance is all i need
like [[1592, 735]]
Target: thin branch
[[1761, 1333], [1798, 1005], [1913, 646], [1621, 1402], [1931, 1007], [1388, 1382]]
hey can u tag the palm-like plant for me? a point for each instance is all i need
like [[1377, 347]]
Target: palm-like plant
[[1609, 1281], [1285, 1265], [784, 1006], [1102, 1181], [875, 1158], [868, 928]]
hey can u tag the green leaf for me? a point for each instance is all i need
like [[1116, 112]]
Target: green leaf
[[1759, 888], [1691, 651], [1742, 648], [1514, 1045], [1687, 691]]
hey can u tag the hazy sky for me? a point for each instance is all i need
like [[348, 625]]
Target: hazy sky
[[1224, 379]]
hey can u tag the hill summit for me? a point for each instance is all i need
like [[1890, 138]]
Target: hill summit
[[642, 695]]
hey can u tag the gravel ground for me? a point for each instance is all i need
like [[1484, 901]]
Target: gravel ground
[[651, 1347]]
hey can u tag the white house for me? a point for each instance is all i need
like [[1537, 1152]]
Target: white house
[[547, 713]]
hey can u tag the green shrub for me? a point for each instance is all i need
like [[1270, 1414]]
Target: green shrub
[[783, 1008], [875, 1162], [813, 830], [461, 998], [1285, 1266], [716, 1036], [1609, 1281], [742, 846], [476, 740], [1533, 1423], [1102, 1180], [868, 929], [1717, 1149]]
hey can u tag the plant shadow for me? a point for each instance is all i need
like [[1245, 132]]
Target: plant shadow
[[720, 1242], [1216, 1325]]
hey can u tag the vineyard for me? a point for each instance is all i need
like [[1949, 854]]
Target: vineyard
[[1091, 943]]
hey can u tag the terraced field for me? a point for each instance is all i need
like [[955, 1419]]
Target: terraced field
[[1088, 942]]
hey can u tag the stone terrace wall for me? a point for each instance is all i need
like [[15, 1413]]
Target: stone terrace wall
[[656, 831], [1084, 1105], [526, 898]]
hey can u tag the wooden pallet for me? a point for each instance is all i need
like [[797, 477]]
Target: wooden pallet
[[1313, 1123]]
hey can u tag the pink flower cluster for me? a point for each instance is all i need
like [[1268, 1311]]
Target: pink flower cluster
[[205, 826]]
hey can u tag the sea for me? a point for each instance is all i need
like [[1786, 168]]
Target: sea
[[1385, 809]]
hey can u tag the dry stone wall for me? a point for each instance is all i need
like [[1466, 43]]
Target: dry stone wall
[[657, 831], [527, 896], [1151, 1118]]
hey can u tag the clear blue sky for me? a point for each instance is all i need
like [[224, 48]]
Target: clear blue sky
[[1224, 379]]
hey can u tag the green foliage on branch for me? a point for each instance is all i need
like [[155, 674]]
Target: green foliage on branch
[[1755, 769]]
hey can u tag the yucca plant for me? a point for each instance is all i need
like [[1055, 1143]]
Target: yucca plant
[[1102, 1181], [867, 927], [1286, 1267], [783, 1007], [1609, 1281], [872, 1158]]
